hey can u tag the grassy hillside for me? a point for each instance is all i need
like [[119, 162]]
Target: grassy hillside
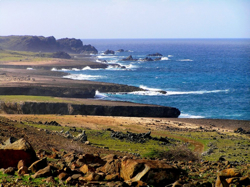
[[7, 55]]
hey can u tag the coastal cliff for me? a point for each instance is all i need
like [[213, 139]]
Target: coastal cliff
[[77, 109], [45, 44]]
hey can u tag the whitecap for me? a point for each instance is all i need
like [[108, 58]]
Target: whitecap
[[99, 95], [83, 77], [164, 58], [185, 60], [54, 69], [194, 92], [149, 89], [189, 116], [30, 69], [106, 56], [75, 69], [170, 55], [87, 68], [148, 93]]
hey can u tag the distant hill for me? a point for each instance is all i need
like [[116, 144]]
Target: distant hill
[[45, 44]]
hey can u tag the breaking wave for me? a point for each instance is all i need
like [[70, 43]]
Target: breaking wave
[[189, 116], [185, 60], [83, 77]]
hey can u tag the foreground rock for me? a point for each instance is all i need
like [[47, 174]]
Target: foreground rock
[[12, 153], [149, 171], [82, 168], [78, 168]]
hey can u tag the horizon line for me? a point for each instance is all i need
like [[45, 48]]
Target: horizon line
[[156, 38]]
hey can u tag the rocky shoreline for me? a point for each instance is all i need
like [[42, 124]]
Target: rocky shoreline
[[16, 79]]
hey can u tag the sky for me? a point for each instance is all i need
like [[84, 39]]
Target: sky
[[108, 19]]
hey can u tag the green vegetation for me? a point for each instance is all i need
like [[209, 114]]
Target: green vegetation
[[26, 180], [102, 138], [7, 55], [30, 98], [231, 146]]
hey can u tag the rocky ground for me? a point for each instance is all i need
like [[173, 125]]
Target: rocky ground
[[66, 158]]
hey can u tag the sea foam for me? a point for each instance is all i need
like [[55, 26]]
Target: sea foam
[[189, 116], [99, 95], [83, 77], [185, 60]]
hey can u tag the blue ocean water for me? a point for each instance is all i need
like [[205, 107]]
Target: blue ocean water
[[204, 78]]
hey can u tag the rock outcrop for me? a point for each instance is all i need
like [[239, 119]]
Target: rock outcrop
[[120, 50], [48, 91], [61, 54], [45, 44], [102, 110], [109, 52], [147, 59], [155, 54], [129, 58]]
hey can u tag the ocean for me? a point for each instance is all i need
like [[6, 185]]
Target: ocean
[[203, 78]]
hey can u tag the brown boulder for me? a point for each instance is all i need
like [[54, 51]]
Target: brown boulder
[[62, 176], [86, 168], [11, 154], [112, 177], [149, 171], [20, 164], [22, 170], [90, 177], [9, 171], [39, 164], [45, 172], [112, 166], [226, 176]]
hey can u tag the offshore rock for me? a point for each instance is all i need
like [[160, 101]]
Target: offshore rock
[[147, 59], [109, 52], [155, 54], [129, 58]]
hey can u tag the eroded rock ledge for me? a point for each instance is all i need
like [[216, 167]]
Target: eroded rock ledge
[[77, 109]]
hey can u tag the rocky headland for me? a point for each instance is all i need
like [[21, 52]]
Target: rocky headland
[[45, 44]]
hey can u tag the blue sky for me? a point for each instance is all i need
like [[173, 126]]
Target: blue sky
[[126, 18]]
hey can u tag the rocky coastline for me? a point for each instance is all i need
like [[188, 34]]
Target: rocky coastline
[[27, 77]]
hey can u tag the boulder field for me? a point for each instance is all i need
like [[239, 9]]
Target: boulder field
[[72, 168]]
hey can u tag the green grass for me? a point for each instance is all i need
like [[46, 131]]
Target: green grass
[[23, 180], [30, 98], [102, 138], [234, 147], [7, 55]]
